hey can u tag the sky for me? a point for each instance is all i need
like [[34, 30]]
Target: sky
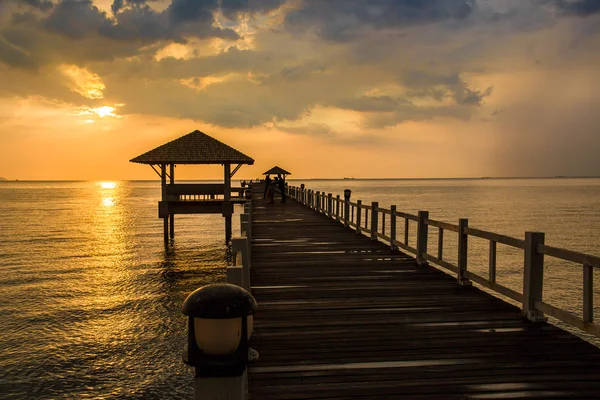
[[322, 88]]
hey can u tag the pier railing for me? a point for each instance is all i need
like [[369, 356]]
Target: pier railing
[[371, 220], [239, 272], [201, 192]]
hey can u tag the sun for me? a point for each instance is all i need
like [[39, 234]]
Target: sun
[[105, 111], [108, 185]]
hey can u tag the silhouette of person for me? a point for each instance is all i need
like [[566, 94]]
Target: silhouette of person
[[281, 184], [267, 183]]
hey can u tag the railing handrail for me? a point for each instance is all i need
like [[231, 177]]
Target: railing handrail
[[535, 248]]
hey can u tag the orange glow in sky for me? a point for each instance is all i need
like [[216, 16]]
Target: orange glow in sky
[[323, 89]]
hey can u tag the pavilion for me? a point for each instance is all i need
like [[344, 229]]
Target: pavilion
[[277, 171], [195, 148]]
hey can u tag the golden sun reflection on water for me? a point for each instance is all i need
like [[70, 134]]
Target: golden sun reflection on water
[[108, 185]]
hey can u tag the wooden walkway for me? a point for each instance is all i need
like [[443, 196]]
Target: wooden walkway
[[342, 317]]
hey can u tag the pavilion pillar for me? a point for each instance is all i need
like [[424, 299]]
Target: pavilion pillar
[[163, 183], [171, 215], [227, 205]]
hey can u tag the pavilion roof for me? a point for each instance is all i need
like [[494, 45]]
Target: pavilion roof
[[194, 148], [276, 170]]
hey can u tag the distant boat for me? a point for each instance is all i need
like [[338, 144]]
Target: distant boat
[[348, 179]]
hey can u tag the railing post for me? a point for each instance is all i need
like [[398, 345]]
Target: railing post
[[393, 245], [358, 212], [422, 238], [347, 193], [374, 219], [330, 204], [318, 201], [463, 248], [337, 207], [533, 276], [241, 245]]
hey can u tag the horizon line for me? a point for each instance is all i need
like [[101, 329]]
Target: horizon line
[[321, 179]]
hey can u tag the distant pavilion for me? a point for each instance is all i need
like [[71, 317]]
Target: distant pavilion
[[195, 148], [277, 171]]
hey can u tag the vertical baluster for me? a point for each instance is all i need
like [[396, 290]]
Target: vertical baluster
[[588, 293], [393, 228], [406, 227], [463, 241], [358, 211], [441, 245], [492, 266]]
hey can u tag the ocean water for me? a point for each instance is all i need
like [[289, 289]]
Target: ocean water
[[91, 299]]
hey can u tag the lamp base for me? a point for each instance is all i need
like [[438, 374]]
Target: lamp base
[[225, 388]]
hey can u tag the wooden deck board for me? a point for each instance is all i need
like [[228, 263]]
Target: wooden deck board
[[342, 317]]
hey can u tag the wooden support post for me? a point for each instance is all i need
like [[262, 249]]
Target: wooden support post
[[337, 207], [374, 219], [163, 183], [329, 205], [463, 248], [172, 216], [318, 202], [226, 199], [422, 238], [393, 244], [172, 225], [533, 277], [358, 212]]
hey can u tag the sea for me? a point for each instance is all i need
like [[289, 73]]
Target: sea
[[90, 303]]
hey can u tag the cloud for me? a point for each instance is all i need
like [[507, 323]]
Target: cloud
[[43, 5], [313, 129], [340, 20], [580, 8], [14, 56]]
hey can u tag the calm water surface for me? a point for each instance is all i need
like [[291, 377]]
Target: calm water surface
[[91, 300]]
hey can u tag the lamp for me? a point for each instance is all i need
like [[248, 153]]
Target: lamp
[[347, 193], [219, 325]]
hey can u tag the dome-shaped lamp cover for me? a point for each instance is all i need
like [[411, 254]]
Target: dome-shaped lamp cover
[[219, 301]]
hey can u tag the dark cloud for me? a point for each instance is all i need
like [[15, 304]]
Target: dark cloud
[[77, 18], [183, 18], [13, 56], [44, 5], [233, 8], [342, 19], [440, 86], [579, 8]]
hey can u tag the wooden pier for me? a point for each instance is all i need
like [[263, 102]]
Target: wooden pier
[[345, 316]]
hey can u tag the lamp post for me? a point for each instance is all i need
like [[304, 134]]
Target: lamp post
[[219, 325]]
